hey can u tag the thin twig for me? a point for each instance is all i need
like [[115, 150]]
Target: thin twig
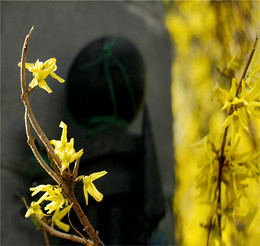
[[73, 226], [246, 66], [53, 165], [76, 168], [63, 235], [84, 220], [46, 239]]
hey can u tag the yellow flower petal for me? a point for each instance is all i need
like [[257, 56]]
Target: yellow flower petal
[[60, 214], [64, 131], [55, 76], [61, 225], [65, 150], [76, 155], [41, 71], [42, 84], [233, 89], [55, 143], [97, 175], [92, 190], [89, 187], [33, 83], [34, 209], [27, 65], [40, 188], [85, 190]]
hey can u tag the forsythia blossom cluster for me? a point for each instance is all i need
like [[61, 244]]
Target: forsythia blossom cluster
[[54, 195], [58, 205], [228, 172], [244, 107]]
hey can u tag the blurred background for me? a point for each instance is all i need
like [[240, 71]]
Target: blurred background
[[212, 42], [62, 30]]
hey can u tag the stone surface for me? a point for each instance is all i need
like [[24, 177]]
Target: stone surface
[[62, 29]]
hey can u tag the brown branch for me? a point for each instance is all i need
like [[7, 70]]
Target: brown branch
[[246, 66], [73, 225], [56, 233], [63, 235], [76, 168], [25, 99], [66, 182], [46, 239], [83, 219], [31, 143], [53, 165]]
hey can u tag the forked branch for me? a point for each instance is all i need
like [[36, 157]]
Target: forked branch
[[66, 181]]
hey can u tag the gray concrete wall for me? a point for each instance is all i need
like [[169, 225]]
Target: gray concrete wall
[[62, 29]]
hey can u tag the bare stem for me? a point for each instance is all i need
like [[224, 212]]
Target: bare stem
[[73, 226], [36, 153], [84, 220], [46, 239], [247, 66], [76, 168]]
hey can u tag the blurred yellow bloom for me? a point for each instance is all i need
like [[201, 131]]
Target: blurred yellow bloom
[[89, 187], [229, 98], [199, 47], [35, 208], [245, 104], [41, 71], [58, 216], [65, 150], [247, 98], [236, 120], [251, 98], [234, 158]]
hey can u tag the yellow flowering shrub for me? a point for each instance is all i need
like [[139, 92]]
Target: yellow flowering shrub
[[216, 121]]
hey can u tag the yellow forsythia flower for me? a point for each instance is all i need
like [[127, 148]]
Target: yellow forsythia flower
[[65, 150], [230, 97], [41, 71], [244, 104], [57, 200], [35, 208], [58, 216], [89, 187], [53, 194]]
